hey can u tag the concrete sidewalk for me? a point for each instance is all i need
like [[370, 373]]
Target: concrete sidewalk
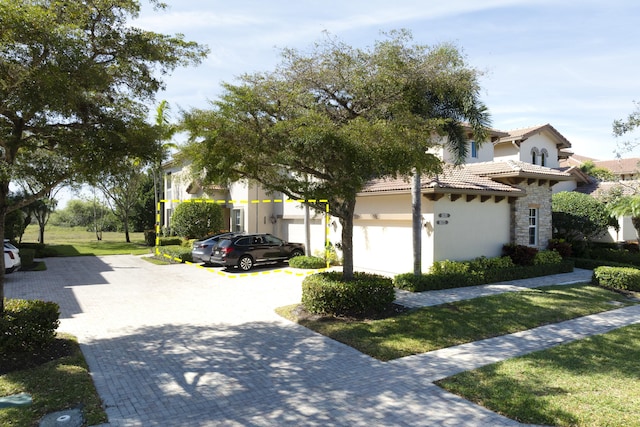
[[179, 346]]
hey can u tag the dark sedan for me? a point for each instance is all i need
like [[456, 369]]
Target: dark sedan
[[201, 250], [244, 251]]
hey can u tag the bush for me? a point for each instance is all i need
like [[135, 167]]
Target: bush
[[175, 253], [307, 262], [623, 278], [451, 274], [560, 246], [591, 264], [27, 256], [150, 237], [615, 255], [28, 325], [170, 241], [547, 257], [365, 295], [578, 217], [520, 254], [194, 220]]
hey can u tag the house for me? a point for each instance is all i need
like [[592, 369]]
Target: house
[[627, 183], [502, 194]]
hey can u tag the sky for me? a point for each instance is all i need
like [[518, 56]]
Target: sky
[[572, 64]]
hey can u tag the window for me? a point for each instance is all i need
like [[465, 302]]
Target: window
[[543, 158], [237, 220], [534, 156], [474, 149], [533, 227]]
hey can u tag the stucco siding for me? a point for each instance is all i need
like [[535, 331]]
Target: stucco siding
[[541, 143], [472, 229]]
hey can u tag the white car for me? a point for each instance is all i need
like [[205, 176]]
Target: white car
[[12, 260]]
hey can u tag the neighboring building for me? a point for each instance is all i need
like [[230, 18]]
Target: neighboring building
[[627, 183], [502, 194]]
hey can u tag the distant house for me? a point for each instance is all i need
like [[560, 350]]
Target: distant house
[[627, 183], [502, 194]]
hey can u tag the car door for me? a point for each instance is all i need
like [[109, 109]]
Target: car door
[[274, 247]]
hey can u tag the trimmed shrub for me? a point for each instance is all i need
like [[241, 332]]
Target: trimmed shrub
[[176, 252], [28, 325], [520, 254], [458, 279], [615, 255], [307, 262], [170, 241], [365, 295], [560, 246], [623, 278], [591, 264], [150, 237], [196, 219], [27, 256], [547, 257]]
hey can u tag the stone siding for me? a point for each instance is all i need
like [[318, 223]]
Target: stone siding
[[538, 197]]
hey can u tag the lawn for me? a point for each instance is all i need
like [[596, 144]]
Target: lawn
[[431, 328], [56, 385], [77, 241], [591, 382]]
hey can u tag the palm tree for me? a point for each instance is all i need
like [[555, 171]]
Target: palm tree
[[628, 206], [166, 130]]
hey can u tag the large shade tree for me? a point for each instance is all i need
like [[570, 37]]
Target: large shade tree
[[75, 77], [324, 123]]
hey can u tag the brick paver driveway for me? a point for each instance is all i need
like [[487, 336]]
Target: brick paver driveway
[[180, 346]]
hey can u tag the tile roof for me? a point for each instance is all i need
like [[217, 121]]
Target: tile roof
[[620, 166], [513, 168], [452, 179], [597, 189], [524, 133]]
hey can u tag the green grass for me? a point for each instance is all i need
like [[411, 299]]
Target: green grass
[[59, 384], [431, 328], [77, 241], [591, 382]]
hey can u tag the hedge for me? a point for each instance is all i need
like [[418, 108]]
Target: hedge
[[591, 264], [175, 252], [311, 262], [28, 325], [449, 280], [365, 295], [624, 278]]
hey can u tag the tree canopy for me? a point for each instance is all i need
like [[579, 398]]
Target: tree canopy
[[578, 217], [74, 80], [325, 122]]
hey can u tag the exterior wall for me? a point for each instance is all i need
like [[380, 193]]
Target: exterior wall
[[472, 228], [539, 142], [627, 232], [383, 231], [484, 153], [538, 197], [506, 151], [564, 186]]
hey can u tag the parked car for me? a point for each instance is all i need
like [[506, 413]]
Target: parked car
[[201, 250], [246, 250], [12, 260]]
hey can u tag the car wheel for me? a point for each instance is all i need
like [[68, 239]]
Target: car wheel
[[296, 252], [245, 263]]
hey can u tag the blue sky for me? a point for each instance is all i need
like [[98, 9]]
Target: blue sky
[[573, 64]]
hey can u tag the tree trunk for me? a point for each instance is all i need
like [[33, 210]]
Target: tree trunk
[[126, 228], [4, 192], [346, 220], [41, 234], [416, 218]]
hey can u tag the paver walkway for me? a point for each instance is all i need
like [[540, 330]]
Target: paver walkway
[[179, 346]]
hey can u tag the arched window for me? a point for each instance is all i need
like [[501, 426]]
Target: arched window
[[543, 157], [534, 155]]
